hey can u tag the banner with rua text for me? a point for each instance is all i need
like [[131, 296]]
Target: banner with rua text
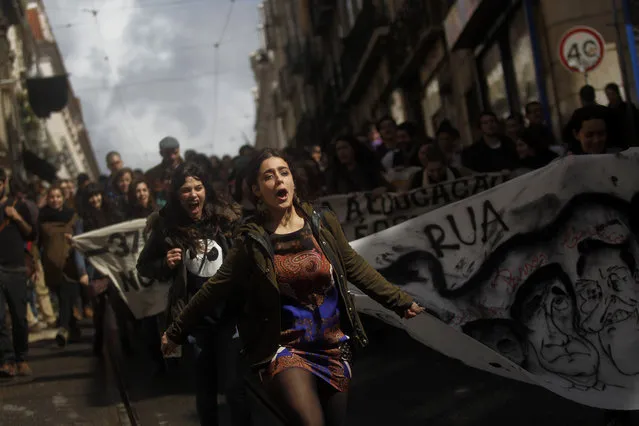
[[363, 214], [536, 279]]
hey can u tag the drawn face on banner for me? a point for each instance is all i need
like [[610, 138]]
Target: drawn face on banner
[[413, 272], [607, 300], [545, 305], [501, 336]]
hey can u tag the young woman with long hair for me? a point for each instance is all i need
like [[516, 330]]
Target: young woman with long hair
[[354, 168], [289, 271], [98, 212], [64, 267], [190, 238], [141, 201], [120, 195]]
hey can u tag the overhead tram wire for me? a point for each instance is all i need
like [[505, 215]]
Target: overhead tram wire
[[116, 94], [139, 6], [149, 5], [216, 67], [184, 79]]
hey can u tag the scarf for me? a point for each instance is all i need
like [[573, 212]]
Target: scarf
[[47, 214]]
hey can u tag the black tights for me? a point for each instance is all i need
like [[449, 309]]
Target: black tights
[[306, 400]]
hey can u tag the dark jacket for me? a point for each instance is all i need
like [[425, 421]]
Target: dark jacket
[[248, 277], [60, 261], [480, 158], [152, 264]]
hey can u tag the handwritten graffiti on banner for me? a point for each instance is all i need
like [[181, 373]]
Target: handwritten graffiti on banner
[[536, 280], [114, 251], [363, 214]]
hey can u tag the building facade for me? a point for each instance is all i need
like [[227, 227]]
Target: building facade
[[70, 143], [510, 51], [42, 131], [341, 65], [267, 122], [9, 109]]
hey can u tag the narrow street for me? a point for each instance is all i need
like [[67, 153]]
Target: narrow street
[[397, 381], [68, 387]]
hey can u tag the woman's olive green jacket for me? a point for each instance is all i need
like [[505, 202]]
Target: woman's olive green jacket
[[247, 279]]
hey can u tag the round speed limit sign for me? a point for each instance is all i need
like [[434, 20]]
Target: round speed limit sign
[[581, 49]]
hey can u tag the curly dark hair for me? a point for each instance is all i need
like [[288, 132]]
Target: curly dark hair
[[218, 216], [95, 219]]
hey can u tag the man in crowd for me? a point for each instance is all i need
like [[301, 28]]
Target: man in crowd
[[83, 180], [46, 317], [16, 228], [389, 153], [493, 152], [615, 138], [159, 176], [625, 114], [114, 163], [535, 117]]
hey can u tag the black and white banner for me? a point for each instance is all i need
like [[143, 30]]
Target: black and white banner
[[535, 280], [114, 251], [363, 214]]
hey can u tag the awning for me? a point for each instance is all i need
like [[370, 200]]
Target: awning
[[48, 94], [39, 167], [468, 21]]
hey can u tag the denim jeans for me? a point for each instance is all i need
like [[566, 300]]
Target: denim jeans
[[14, 294], [68, 292]]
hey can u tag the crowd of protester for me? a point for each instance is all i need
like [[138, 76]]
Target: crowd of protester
[[38, 259]]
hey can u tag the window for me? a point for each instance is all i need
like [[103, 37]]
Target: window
[[292, 24], [352, 9], [471, 98], [432, 105], [493, 71], [522, 59]]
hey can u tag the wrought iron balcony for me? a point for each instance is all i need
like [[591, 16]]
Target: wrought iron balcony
[[305, 133], [322, 12], [416, 22], [361, 41], [285, 83], [312, 58], [294, 56]]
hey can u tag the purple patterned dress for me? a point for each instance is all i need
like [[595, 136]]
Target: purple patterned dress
[[311, 336]]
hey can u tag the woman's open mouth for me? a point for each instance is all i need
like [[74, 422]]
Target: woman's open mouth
[[281, 194]]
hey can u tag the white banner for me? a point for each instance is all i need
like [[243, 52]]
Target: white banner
[[363, 214], [114, 251], [535, 280]]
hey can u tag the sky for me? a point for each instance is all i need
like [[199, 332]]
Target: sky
[[145, 69]]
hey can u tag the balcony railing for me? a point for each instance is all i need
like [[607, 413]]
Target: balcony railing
[[415, 20], [294, 56], [285, 82], [312, 59], [322, 12], [358, 41]]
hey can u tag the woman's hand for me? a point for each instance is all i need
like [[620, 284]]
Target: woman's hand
[[168, 347], [84, 279], [413, 311], [173, 257], [68, 238]]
